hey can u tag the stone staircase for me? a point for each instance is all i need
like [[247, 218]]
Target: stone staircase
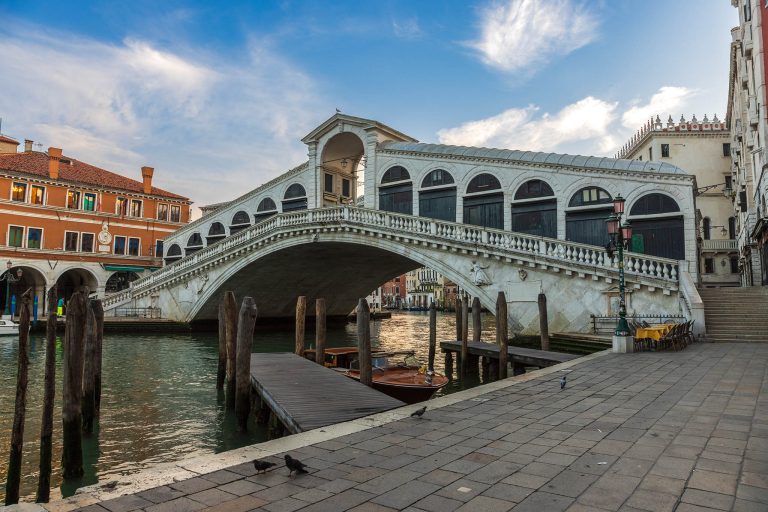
[[736, 314]]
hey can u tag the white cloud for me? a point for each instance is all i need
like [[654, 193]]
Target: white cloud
[[517, 34], [212, 127], [587, 120], [668, 100], [407, 29]]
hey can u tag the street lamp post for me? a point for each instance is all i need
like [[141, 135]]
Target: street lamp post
[[8, 278], [620, 235]]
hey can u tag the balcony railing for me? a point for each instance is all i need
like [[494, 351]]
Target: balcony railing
[[718, 245]]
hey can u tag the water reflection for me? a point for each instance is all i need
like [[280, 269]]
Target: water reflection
[[159, 398]]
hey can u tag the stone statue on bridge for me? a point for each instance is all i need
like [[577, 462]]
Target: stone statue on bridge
[[479, 277]]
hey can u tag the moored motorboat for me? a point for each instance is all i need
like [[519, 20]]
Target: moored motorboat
[[8, 327], [405, 381]]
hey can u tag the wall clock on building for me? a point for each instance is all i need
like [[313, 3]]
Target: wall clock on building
[[105, 238]]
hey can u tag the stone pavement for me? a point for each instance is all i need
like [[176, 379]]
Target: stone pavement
[[650, 431]]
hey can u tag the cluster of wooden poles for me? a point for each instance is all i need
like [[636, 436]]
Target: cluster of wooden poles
[[492, 368], [83, 336]]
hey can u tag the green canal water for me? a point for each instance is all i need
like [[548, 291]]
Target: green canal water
[[159, 398]]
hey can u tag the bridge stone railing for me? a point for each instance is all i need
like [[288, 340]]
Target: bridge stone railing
[[639, 265]]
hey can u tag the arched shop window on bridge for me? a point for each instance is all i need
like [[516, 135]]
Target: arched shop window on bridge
[[585, 218], [216, 232], [194, 244], [173, 254], [534, 209], [295, 198], [240, 221], [484, 202], [437, 197], [265, 210], [657, 227], [396, 191]]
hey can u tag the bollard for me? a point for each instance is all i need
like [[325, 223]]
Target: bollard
[[245, 326], [320, 331], [364, 342]]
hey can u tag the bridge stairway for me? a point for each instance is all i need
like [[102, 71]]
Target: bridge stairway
[[736, 314]]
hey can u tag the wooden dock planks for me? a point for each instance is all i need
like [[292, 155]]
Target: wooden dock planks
[[305, 395], [520, 355]]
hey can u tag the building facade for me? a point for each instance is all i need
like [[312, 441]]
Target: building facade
[[72, 224], [746, 119], [702, 148]]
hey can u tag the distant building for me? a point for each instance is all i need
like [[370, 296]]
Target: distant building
[[702, 148], [746, 119], [69, 223]]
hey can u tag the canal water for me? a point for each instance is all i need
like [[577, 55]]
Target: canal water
[[159, 398]]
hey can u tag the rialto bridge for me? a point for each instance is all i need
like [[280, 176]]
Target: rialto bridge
[[488, 219]]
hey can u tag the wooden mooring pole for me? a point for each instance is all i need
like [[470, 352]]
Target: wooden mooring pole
[[221, 371], [71, 414], [320, 331], [89, 370], [432, 337], [245, 325], [46, 426], [13, 481], [501, 333], [543, 322], [477, 329], [301, 314], [364, 342], [464, 363], [98, 313], [230, 323]]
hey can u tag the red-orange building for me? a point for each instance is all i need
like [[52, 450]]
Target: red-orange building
[[67, 222]]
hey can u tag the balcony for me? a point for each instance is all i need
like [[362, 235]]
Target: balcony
[[718, 245]]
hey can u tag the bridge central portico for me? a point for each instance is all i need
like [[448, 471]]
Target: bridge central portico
[[489, 220]]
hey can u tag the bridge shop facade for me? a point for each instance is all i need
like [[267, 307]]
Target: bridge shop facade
[[545, 212]]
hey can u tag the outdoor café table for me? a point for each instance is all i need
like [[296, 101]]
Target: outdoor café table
[[654, 332]]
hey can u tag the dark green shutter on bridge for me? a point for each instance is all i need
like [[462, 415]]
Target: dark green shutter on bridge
[[539, 219], [587, 227], [438, 204], [397, 199], [486, 211]]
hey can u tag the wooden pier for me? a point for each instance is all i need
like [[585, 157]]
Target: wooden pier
[[303, 395], [518, 357]]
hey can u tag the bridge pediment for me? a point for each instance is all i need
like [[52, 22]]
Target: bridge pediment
[[339, 122]]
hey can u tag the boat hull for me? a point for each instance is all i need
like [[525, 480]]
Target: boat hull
[[405, 384]]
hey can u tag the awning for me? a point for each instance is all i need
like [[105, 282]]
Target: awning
[[124, 268]]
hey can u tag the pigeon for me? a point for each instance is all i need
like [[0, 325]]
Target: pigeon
[[294, 465], [562, 383], [262, 465], [419, 413]]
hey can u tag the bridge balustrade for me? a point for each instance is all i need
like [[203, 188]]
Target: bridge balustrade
[[560, 250]]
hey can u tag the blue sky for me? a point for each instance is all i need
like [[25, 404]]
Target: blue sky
[[216, 96]]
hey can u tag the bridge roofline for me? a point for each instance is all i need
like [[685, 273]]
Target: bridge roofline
[[366, 124], [533, 157]]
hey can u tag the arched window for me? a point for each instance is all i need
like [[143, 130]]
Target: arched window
[[240, 221], [585, 218], [266, 209], [484, 202], [395, 192], [194, 244], [437, 199], [534, 209], [173, 254], [706, 228], [657, 227], [295, 198], [215, 233]]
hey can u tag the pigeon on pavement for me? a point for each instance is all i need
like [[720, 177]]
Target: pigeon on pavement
[[262, 465], [419, 413], [294, 465], [562, 383]]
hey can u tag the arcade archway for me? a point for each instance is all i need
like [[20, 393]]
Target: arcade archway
[[72, 280]]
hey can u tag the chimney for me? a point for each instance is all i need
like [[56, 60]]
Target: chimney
[[54, 154], [146, 173], [27, 146]]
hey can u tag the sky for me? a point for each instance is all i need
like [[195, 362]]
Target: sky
[[216, 96]]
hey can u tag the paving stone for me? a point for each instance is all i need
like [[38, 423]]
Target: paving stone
[[436, 503], [707, 499], [338, 485], [541, 469], [654, 501], [747, 506], [687, 507], [279, 492], [713, 482], [486, 504], [673, 467], [211, 497], [125, 503], [594, 463], [608, 499], [569, 483], [663, 484], [241, 504], [747, 492], [371, 507], [222, 476], [494, 472], [340, 502], [462, 490], [285, 505], [388, 481], [406, 494], [611, 447], [440, 477], [160, 494], [508, 492], [182, 504], [241, 487], [541, 501], [631, 467]]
